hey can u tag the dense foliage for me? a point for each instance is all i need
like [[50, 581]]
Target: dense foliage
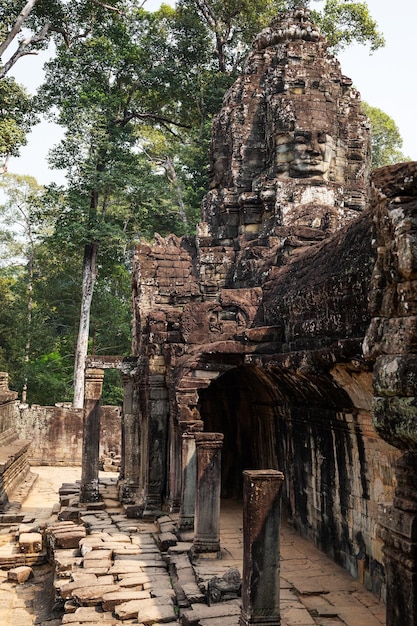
[[135, 93]]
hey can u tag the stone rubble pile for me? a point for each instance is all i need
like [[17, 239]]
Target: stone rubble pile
[[111, 569]]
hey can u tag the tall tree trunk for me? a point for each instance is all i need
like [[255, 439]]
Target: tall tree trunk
[[29, 307], [89, 279], [171, 175]]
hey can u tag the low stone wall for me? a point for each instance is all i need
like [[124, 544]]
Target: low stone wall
[[14, 462], [56, 433]]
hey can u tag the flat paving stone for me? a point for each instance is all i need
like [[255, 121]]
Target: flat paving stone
[[113, 599], [157, 613], [202, 611], [88, 615], [92, 596]]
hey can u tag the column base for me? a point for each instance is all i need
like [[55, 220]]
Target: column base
[[185, 524], [206, 548], [90, 492], [128, 493], [259, 620]]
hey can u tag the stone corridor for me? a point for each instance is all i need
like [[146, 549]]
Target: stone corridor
[[132, 572]]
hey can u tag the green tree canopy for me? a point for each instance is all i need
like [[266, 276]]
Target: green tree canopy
[[385, 136]]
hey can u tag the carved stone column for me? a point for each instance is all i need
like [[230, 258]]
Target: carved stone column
[[157, 435], [398, 530], [174, 466], [130, 443], [261, 547], [189, 475], [207, 512], [89, 491]]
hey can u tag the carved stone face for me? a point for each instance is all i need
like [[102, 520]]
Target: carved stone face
[[305, 153], [313, 152]]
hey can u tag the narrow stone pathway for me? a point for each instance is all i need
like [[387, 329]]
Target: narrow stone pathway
[[111, 570]]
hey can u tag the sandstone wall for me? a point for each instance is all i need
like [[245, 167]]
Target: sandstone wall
[[14, 464], [56, 433]]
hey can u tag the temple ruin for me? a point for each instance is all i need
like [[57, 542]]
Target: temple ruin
[[282, 339]]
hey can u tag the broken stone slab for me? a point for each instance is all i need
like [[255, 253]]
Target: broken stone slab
[[181, 547], [134, 608], [61, 526], [93, 595], [113, 599], [159, 591], [167, 527], [20, 574], [94, 506], [143, 560], [202, 611], [70, 513], [124, 549], [97, 566], [193, 592], [157, 613], [28, 528], [30, 542], [91, 564], [66, 561], [166, 540], [143, 539], [125, 567], [98, 571], [134, 580], [100, 554], [89, 615], [119, 537], [164, 519], [69, 539], [65, 589], [232, 620]]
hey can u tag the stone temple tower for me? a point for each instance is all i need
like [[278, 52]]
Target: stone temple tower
[[290, 148]]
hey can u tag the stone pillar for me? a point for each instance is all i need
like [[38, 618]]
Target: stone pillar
[[91, 435], [261, 553], [131, 444], [398, 530], [157, 411], [132, 461], [189, 475], [174, 467], [207, 511]]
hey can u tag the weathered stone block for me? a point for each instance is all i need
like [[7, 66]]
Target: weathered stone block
[[113, 599], [396, 375], [391, 336], [407, 255], [30, 542], [395, 420], [20, 574], [407, 298], [92, 596]]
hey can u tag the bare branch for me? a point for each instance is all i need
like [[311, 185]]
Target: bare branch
[[17, 25], [130, 115], [107, 6], [23, 49]]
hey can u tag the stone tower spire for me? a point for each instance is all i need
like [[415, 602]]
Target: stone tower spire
[[290, 146]]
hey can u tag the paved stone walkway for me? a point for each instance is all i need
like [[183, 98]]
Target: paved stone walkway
[[132, 570]]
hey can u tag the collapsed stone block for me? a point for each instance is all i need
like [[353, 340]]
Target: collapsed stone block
[[20, 574]]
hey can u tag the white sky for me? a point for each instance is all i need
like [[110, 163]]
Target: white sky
[[386, 79]]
